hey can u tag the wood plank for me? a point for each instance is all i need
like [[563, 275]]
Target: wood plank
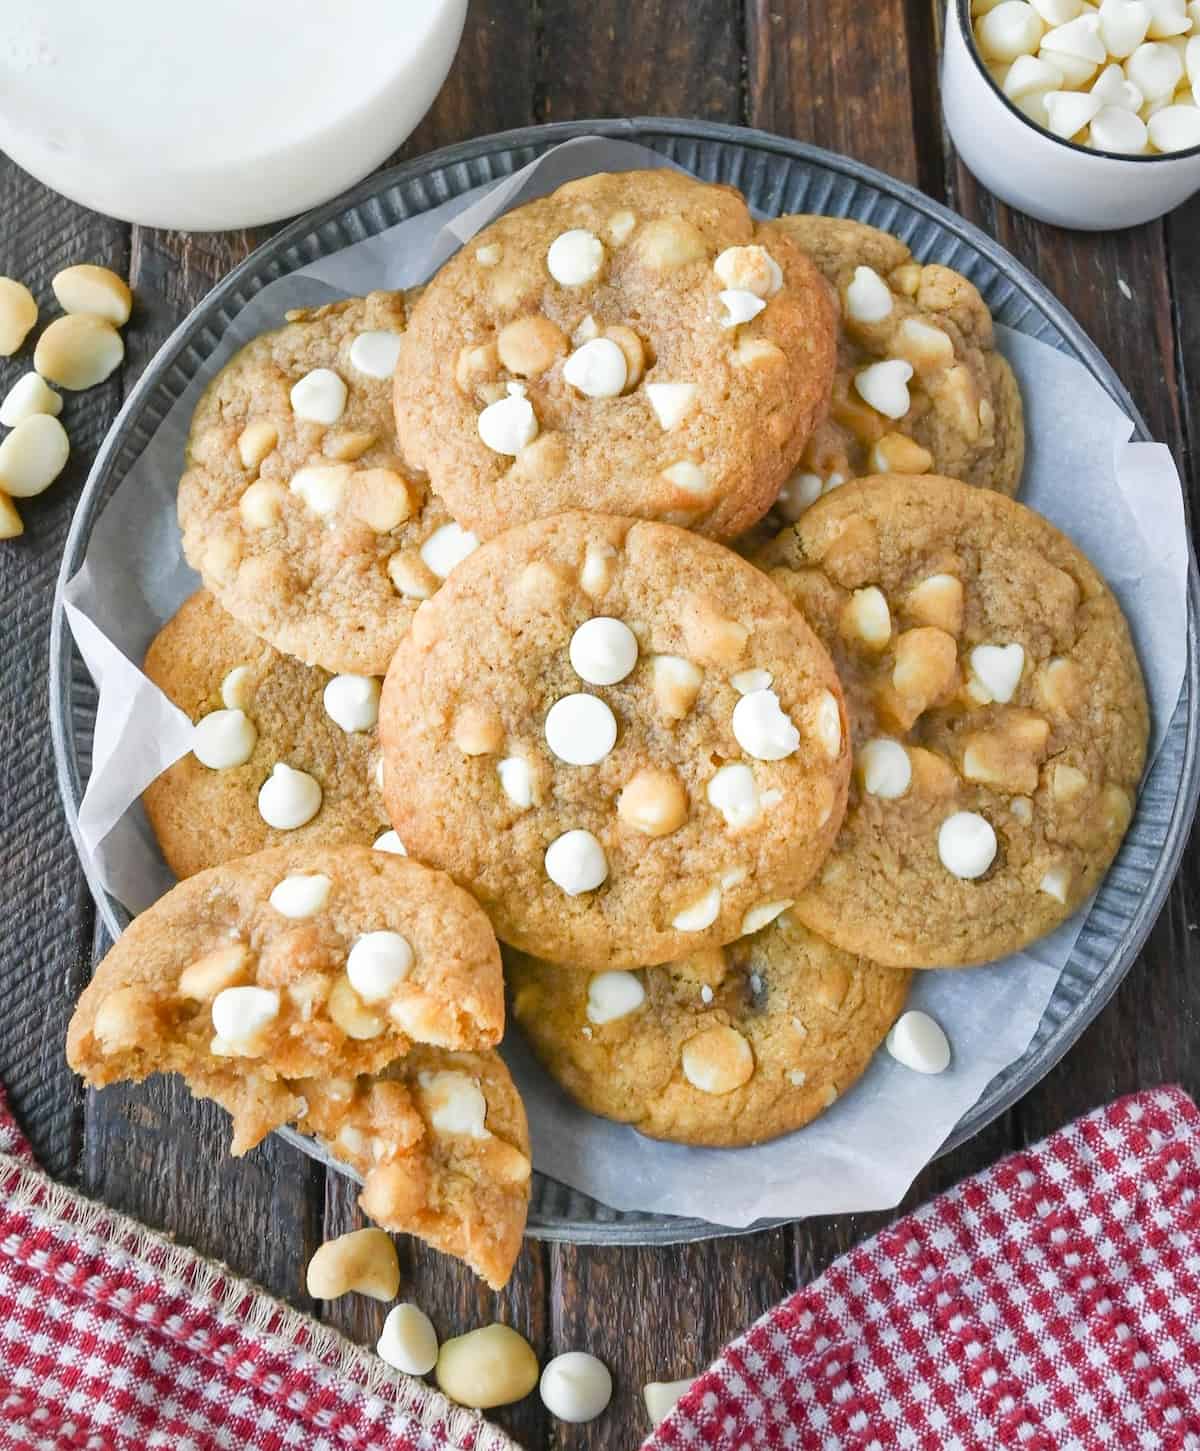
[[602, 59], [45, 935]]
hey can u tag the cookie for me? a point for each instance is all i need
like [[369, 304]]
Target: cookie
[[620, 737], [438, 1139], [294, 963], [633, 343], [998, 714], [920, 387], [731, 1046], [256, 710], [296, 507]]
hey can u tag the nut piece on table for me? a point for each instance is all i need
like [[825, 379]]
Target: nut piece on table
[[493, 1366], [32, 456], [27, 396], [94, 291], [364, 1261], [78, 351], [10, 520], [18, 313], [409, 1342]]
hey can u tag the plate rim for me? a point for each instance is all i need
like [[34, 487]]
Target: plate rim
[[536, 139]]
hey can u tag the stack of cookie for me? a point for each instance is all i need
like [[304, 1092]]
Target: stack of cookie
[[718, 803]]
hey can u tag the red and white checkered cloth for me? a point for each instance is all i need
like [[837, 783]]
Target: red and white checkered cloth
[[1051, 1303], [114, 1339]]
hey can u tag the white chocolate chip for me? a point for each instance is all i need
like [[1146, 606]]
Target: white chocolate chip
[[1031, 75], [455, 1104], [1008, 30], [886, 769], [698, 915], [33, 455], [1168, 18], [576, 863], [763, 915], [235, 688], [580, 729], [94, 290], [390, 841], [377, 964], [18, 314], [78, 351], [746, 681], [489, 255], [1056, 883], [800, 492], [613, 995], [1123, 26], [733, 792], [1175, 128], [352, 702], [1112, 89], [516, 781], [997, 668], [740, 306], [672, 402], [1058, 12], [1068, 112], [240, 1016], [575, 258], [409, 1342], [588, 329], [885, 387], [868, 297], [319, 397], [224, 738], [288, 798], [1113, 129], [603, 651], [300, 895], [321, 486], [27, 396], [575, 1387], [966, 845], [918, 1042], [446, 547], [597, 572], [376, 353], [510, 423], [762, 728], [1079, 38], [1155, 69], [661, 1395], [598, 369], [690, 477], [717, 1060]]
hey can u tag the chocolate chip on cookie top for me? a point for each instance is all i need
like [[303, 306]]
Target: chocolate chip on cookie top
[[920, 387], [634, 343], [998, 714], [296, 507], [733, 1045], [292, 963], [619, 736], [282, 752]]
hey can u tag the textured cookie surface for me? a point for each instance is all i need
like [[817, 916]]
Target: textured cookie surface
[[620, 737], [296, 508], [998, 714], [438, 1138], [958, 413], [731, 1046], [609, 307], [293, 963], [202, 815]]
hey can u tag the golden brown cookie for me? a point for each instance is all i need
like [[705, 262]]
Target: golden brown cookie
[[620, 737], [632, 343], [733, 1045], [299, 962], [296, 507], [439, 1140], [998, 714], [957, 412], [257, 708]]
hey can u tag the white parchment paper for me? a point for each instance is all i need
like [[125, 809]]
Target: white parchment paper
[[1120, 501]]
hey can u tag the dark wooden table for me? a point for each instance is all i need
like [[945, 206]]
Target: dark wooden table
[[853, 77]]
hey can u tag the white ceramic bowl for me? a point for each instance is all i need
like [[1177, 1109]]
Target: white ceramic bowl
[[217, 115], [1038, 172]]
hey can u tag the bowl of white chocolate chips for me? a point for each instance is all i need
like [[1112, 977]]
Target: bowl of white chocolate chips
[[1084, 113]]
